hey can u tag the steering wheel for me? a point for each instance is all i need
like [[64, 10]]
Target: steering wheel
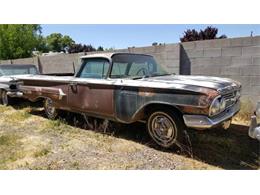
[[144, 71]]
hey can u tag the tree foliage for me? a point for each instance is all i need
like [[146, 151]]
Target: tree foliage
[[100, 48], [57, 42], [18, 40], [76, 48], [208, 33]]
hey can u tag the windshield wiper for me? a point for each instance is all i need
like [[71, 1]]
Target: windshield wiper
[[140, 77], [152, 75]]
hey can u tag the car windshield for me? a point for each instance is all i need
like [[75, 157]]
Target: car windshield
[[135, 66], [17, 70]]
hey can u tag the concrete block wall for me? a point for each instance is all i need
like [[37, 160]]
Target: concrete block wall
[[236, 58], [168, 56]]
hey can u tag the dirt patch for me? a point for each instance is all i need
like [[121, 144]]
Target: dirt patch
[[30, 141]]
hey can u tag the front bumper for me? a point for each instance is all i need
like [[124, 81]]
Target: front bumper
[[204, 122], [14, 94], [254, 130]]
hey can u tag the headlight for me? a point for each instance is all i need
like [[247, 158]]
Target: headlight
[[218, 105], [258, 109]]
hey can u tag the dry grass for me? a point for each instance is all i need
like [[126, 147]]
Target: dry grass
[[245, 113], [29, 141]]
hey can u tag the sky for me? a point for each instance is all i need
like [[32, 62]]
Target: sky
[[119, 36]]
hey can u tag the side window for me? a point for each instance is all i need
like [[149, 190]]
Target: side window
[[94, 68], [118, 70]]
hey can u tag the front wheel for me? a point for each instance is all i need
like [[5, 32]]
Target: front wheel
[[4, 100], [165, 128], [50, 110]]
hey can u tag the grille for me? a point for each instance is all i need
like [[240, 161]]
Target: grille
[[230, 98]]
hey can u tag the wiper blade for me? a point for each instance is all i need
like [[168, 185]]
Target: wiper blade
[[159, 74], [141, 77]]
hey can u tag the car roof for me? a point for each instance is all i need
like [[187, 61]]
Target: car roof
[[108, 55]]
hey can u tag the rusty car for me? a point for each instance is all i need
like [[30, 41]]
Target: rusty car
[[127, 87], [254, 128], [8, 83]]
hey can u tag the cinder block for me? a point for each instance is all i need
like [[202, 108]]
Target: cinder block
[[255, 90], [172, 63], [255, 80], [241, 61], [201, 61], [230, 71], [192, 53], [215, 43], [212, 52], [172, 54], [149, 50], [188, 45], [251, 70], [251, 51], [244, 80], [122, 50], [206, 70], [211, 61], [61, 63], [256, 60], [173, 70], [256, 40], [23, 61], [232, 51], [221, 61], [242, 41], [137, 50], [6, 62], [171, 47]]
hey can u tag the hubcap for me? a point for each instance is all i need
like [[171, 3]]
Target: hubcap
[[49, 108], [4, 98], [163, 129]]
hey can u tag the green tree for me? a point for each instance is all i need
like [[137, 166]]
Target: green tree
[[100, 48], [57, 42], [18, 40]]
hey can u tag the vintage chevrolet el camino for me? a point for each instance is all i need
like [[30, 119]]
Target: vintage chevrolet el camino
[[8, 83], [126, 88]]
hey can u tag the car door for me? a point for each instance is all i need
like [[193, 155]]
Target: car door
[[90, 91]]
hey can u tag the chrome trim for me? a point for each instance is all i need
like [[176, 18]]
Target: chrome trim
[[61, 94], [215, 99], [254, 130], [205, 122], [15, 94]]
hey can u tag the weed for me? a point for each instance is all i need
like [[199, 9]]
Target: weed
[[41, 152]]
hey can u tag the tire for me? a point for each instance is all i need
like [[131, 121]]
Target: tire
[[165, 128], [4, 99], [50, 110]]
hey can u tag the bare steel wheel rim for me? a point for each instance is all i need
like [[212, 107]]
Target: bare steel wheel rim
[[4, 98], [49, 108], [162, 129]]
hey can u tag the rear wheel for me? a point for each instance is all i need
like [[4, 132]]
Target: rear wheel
[[4, 100], [50, 110], [165, 128]]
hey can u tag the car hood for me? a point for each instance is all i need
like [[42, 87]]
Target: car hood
[[4, 79], [195, 82]]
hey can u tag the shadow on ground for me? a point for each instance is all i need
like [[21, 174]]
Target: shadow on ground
[[230, 149]]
